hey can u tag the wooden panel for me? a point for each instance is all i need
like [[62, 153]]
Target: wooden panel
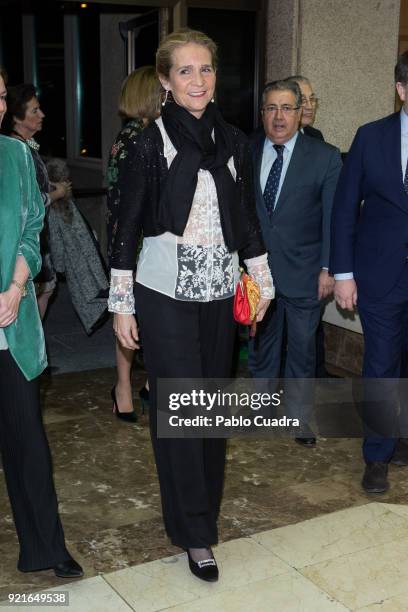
[[403, 29], [237, 5], [151, 3], [180, 15]]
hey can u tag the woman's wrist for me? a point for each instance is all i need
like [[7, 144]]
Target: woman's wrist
[[121, 299], [258, 268], [18, 287]]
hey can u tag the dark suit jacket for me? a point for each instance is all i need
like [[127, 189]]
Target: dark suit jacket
[[372, 240], [297, 236], [313, 132]]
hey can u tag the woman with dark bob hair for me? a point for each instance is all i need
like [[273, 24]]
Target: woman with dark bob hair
[[23, 444], [189, 191], [23, 120]]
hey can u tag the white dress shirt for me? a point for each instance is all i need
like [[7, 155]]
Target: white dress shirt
[[268, 157], [404, 141]]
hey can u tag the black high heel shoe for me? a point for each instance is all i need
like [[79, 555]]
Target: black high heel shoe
[[144, 398], [205, 570], [130, 417]]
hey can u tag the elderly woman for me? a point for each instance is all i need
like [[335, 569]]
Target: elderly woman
[[189, 191], [139, 103], [23, 120], [24, 448]]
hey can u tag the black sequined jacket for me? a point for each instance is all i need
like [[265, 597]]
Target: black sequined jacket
[[144, 176]]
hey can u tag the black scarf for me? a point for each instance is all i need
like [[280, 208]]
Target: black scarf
[[196, 149]]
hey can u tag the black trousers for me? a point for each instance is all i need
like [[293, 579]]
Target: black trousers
[[321, 371], [27, 468], [187, 340], [302, 316]]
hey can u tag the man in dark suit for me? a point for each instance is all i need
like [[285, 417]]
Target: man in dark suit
[[295, 181], [309, 106], [369, 258]]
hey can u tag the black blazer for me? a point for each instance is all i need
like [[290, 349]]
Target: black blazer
[[297, 235], [309, 130], [144, 176]]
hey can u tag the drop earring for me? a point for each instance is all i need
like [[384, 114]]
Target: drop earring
[[165, 98], [212, 100]]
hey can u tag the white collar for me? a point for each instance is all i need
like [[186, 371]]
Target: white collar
[[289, 145]]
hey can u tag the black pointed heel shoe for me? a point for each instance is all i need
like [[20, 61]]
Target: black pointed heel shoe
[[68, 569], [205, 570], [129, 417], [144, 399]]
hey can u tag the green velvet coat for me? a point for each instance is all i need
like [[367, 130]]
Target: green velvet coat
[[21, 220]]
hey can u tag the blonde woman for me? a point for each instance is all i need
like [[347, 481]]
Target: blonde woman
[[139, 103], [188, 190]]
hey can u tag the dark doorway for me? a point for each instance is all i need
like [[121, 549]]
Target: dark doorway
[[11, 40], [141, 36], [234, 32]]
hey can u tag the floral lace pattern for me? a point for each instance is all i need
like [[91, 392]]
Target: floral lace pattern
[[196, 266], [258, 268], [205, 266], [204, 273], [121, 299]]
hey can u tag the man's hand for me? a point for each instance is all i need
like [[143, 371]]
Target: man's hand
[[125, 328], [325, 285], [9, 305], [345, 292]]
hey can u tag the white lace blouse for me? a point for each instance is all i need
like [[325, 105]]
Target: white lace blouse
[[196, 266]]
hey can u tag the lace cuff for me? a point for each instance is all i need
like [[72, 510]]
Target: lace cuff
[[121, 299], [258, 268]]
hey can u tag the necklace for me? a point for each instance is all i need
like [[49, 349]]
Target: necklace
[[33, 144]]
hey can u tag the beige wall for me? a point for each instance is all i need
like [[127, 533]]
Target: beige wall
[[281, 38], [347, 48]]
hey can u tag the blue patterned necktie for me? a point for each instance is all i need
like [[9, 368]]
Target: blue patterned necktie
[[272, 184]]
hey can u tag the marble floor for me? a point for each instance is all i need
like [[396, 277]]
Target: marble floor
[[296, 530]]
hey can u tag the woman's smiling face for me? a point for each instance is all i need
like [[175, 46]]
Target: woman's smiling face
[[192, 78]]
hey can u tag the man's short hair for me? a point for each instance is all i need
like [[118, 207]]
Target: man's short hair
[[283, 85], [401, 69], [299, 79]]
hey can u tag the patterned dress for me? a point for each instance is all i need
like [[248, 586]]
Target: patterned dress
[[126, 139]]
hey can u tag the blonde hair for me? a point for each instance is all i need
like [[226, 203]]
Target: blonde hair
[[3, 74], [184, 36], [140, 95]]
